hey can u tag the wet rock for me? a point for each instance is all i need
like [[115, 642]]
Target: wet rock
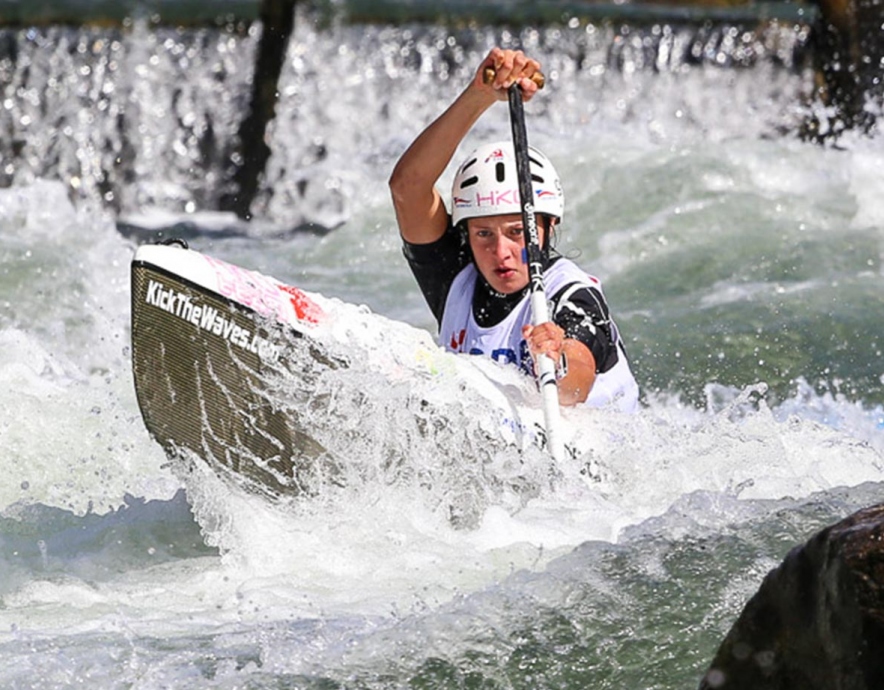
[[817, 621]]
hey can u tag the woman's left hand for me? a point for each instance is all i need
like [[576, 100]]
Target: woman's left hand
[[545, 339], [577, 377]]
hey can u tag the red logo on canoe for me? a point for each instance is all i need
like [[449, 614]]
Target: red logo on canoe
[[305, 308]]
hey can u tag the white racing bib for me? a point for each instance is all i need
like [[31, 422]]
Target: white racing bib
[[504, 343]]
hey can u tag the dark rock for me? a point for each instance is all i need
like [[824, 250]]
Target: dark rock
[[817, 621]]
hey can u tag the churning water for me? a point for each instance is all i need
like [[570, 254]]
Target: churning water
[[743, 265]]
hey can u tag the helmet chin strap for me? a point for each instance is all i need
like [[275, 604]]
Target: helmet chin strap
[[548, 229]]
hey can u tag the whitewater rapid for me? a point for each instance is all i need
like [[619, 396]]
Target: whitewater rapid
[[744, 268]]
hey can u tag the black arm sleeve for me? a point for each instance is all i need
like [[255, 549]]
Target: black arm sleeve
[[435, 266], [584, 315]]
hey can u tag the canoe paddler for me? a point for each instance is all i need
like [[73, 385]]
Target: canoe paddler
[[469, 261]]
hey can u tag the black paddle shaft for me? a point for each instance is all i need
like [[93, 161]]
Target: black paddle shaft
[[546, 375], [526, 189]]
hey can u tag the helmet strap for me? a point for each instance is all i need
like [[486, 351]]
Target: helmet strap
[[548, 229]]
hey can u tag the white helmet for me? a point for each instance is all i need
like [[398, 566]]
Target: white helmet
[[487, 184]]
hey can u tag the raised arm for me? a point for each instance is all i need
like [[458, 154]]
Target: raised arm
[[420, 210]]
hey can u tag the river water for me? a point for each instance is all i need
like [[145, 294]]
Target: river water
[[744, 268]]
